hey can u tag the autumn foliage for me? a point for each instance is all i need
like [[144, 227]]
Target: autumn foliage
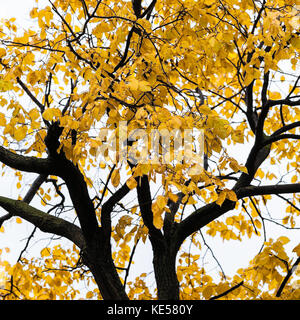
[[228, 69]]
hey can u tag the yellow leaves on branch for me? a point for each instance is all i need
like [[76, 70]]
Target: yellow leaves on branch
[[139, 85], [226, 194], [237, 167], [123, 222]]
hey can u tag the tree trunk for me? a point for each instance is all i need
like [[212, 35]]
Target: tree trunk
[[107, 279], [164, 262], [99, 260]]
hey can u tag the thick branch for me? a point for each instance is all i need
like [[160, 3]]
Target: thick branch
[[108, 207], [145, 203], [280, 137], [251, 115], [204, 215], [288, 102], [271, 189], [34, 188], [286, 128], [27, 164], [81, 200], [45, 222]]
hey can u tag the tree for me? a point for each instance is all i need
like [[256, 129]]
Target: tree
[[225, 68]]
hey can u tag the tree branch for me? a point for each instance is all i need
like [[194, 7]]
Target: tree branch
[[32, 97], [286, 128], [34, 188], [227, 291], [206, 214], [270, 189], [287, 277], [26, 163], [145, 203], [280, 137], [108, 207], [45, 222]]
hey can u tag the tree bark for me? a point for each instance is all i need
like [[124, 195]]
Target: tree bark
[[100, 263], [164, 262]]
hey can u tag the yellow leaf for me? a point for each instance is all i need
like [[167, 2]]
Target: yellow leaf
[[115, 178], [207, 292], [294, 179], [237, 136], [231, 195], [157, 218], [32, 77], [2, 52], [294, 22], [257, 223], [144, 86], [284, 240], [161, 202], [221, 198], [102, 165], [286, 219], [89, 295], [5, 85], [158, 221], [297, 250], [20, 133], [260, 173], [205, 110], [275, 95], [295, 42], [131, 183], [34, 114], [45, 252], [2, 120], [243, 169], [234, 165], [51, 113], [18, 220], [133, 84]]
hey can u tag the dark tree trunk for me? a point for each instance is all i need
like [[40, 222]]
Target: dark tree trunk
[[164, 262], [99, 261]]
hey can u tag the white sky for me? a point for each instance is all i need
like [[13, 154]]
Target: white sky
[[18, 8], [232, 255]]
